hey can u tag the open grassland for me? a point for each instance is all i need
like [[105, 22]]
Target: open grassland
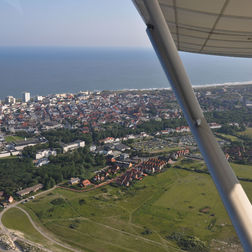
[[230, 137], [138, 218], [242, 171], [10, 157], [10, 139], [15, 219], [247, 132]]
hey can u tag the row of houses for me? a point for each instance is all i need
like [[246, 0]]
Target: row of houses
[[151, 166], [103, 175], [148, 167], [110, 171]]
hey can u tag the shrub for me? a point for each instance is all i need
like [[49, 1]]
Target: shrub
[[73, 225], [188, 242], [58, 201], [104, 190], [82, 202], [146, 232]]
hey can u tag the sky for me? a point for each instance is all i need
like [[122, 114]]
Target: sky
[[103, 23], [99, 23]]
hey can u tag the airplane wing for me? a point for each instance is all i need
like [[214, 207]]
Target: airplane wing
[[221, 27]]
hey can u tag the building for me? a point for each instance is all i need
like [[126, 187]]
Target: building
[[124, 156], [39, 98], [10, 100], [26, 97], [5, 154], [45, 154], [41, 162], [29, 190], [72, 146], [10, 199], [20, 145], [74, 181], [86, 183], [92, 148], [215, 125]]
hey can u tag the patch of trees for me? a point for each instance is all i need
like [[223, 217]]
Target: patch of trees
[[30, 151], [117, 130], [16, 174], [188, 242], [146, 231], [55, 137], [230, 129], [82, 202], [111, 130], [153, 126], [241, 116], [24, 134]]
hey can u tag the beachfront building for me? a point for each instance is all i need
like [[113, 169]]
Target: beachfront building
[[10, 100], [26, 97]]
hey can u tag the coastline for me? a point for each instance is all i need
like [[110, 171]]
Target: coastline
[[214, 85], [243, 83]]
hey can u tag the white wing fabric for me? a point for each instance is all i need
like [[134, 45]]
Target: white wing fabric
[[220, 27]]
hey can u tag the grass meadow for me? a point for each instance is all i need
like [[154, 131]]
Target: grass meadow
[[139, 218], [15, 219]]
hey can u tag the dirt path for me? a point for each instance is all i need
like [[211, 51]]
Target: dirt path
[[89, 189], [137, 237], [14, 237], [45, 234]]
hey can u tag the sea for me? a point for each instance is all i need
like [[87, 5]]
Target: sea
[[50, 70]]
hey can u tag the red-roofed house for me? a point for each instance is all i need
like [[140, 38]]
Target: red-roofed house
[[86, 183]]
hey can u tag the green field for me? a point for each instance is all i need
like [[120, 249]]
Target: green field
[[10, 139], [10, 157], [139, 218], [15, 219], [230, 137], [244, 171], [247, 132]]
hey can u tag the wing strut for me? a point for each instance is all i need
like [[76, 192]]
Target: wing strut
[[232, 194]]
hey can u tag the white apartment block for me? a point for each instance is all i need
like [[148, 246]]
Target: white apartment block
[[72, 146], [45, 154], [10, 100], [26, 97]]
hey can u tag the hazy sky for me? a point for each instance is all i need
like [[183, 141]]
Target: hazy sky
[[71, 23]]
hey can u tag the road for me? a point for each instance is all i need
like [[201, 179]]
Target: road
[[44, 234], [7, 232]]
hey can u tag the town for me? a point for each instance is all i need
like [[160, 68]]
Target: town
[[126, 126], [83, 142]]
